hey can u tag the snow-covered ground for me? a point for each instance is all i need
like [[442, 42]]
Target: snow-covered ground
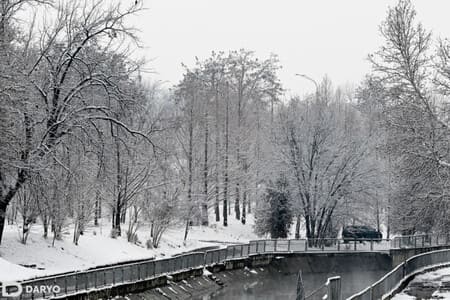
[[97, 248], [431, 285]]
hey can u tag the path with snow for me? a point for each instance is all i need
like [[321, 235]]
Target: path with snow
[[430, 285], [97, 248]]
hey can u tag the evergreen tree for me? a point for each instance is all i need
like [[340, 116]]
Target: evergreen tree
[[274, 216]]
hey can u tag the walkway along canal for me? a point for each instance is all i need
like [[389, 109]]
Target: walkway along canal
[[327, 257]]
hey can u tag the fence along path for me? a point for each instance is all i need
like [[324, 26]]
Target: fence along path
[[102, 278], [392, 280]]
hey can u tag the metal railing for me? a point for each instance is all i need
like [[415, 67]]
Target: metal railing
[[420, 241], [106, 277], [392, 280], [101, 278]]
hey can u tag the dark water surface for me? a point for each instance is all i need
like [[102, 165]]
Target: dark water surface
[[279, 280]]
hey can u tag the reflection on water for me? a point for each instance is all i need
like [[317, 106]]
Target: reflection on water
[[276, 285], [275, 282], [279, 279]]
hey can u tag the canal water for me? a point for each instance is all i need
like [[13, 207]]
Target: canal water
[[279, 279]]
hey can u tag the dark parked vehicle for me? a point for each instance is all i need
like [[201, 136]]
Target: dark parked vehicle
[[350, 233]]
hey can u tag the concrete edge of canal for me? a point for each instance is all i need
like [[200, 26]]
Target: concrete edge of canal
[[308, 262]]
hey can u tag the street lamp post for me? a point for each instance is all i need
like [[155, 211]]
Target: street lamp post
[[310, 79], [313, 81]]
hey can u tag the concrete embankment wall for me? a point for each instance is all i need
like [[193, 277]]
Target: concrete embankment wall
[[335, 262], [328, 263], [315, 262]]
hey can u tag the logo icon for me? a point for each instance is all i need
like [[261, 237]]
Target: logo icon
[[11, 289]]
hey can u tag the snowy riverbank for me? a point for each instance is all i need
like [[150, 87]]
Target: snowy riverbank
[[97, 248]]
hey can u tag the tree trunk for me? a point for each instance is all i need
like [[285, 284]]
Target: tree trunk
[[258, 159], [244, 193], [238, 151], [5, 198], [249, 207], [97, 207], [190, 167], [45, 224], [118, 208], [237, 210], [152, 229], [205, 175], [225, 180], [124, 205], [2, 220], [216, 208], [244, 203], [117, 216], [297, 227], [11, 215], [186, 231]]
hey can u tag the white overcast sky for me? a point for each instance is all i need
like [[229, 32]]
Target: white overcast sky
[[317, 38]]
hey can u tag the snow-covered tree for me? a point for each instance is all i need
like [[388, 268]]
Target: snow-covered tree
[[415, 112], [325, 149], [274, 215]]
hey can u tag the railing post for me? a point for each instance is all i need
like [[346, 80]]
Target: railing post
[[338, 245], [76, 282], [264, 249], [306, 244], [371, 245], [95, 279], [65, 285], [275, 246], [354, 245], [139, 272], [334, 288], [289, 245]]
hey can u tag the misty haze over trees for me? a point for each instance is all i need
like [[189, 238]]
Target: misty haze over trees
[[85, 137]]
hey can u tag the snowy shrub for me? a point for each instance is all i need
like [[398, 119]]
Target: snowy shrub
[[114, 233]]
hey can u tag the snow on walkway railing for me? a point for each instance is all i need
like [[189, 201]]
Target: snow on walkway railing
[[107, 277]]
